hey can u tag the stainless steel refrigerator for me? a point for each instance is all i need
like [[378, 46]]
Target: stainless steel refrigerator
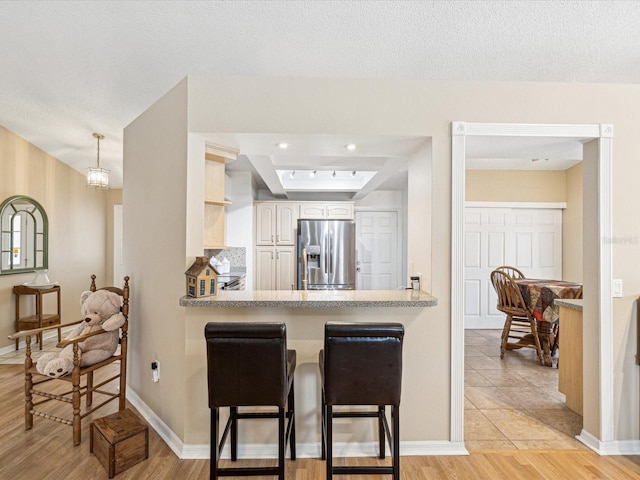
[[326, 255]]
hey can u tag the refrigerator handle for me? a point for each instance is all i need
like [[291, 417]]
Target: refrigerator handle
[[326, 255], [330, 252], [305, 270]]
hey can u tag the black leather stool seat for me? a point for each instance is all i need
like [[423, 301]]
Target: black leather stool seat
[[248, 364], [361, 364]]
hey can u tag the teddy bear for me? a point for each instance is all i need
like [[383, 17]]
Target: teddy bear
[[100, 309]]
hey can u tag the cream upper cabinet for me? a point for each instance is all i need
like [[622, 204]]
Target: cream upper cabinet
[[265, 223], [276, 223], [313, 210], [340, 211], [286, 223], [327, 211]]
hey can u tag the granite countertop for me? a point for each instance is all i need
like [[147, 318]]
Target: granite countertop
[[569, 303], [313, 298]]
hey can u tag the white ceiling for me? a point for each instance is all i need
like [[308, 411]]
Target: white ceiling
[[68, 69]]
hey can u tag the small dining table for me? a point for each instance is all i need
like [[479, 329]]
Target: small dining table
[[539, 295]]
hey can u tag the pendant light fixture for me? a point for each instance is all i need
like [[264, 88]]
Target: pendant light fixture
[[98, 177]]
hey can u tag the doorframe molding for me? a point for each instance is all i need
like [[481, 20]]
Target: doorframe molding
[[538, 205], [602, 132]]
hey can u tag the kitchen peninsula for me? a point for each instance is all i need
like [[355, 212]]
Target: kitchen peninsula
[[305, 313]]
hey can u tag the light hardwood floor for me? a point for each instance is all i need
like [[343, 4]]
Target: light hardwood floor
[[46, 452]]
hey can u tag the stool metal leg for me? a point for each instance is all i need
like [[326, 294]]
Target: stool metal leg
[[233, 412], [213, 448], [329, 440], [281, 442], [323, 426], [381, 432], [395, 413], [292, 421]]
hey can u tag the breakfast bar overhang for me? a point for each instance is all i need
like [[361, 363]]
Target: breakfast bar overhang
[[305, 313]]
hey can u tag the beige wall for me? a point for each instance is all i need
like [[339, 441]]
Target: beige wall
[[572, 226], [77, 226], [371, 107], [155, 230], [515, 186], [114, 197]]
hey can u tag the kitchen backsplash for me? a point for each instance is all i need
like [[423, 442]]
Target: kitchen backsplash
[[237, 256]]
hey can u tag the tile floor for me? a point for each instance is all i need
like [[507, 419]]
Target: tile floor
[[513, 403]]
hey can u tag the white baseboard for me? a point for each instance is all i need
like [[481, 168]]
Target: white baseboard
[[171, 439], [616, 447], [303, 450]]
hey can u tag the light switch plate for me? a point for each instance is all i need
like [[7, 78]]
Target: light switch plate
[[616, 288]]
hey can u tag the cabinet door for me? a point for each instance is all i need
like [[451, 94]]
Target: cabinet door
[[287, 219], [312, 210], [265, 269], [285, 268], [265, 223], [340, 211]]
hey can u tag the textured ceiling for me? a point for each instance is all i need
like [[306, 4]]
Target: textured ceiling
[[68, 69]]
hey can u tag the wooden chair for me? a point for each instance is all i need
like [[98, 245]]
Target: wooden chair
[[513, 272], [520, 323], [37, 385]]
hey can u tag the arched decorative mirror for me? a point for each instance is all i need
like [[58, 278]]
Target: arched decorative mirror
[[23, 236]]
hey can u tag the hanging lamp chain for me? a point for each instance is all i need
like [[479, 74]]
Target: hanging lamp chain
[[99, 137]]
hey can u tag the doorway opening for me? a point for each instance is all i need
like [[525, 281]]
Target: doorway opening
[[596, 140]]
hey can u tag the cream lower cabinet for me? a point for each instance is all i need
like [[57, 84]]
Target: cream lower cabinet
[[275, 268]]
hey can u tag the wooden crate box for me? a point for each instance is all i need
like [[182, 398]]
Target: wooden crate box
[[119, 441]]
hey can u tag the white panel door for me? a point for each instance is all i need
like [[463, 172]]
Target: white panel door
[[377, 251], [527, 238]]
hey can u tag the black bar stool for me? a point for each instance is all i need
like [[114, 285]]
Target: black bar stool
[[248, 364], [361, 364]]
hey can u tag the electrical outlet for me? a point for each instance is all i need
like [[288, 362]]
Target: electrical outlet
[[155, 371], [616, 288]]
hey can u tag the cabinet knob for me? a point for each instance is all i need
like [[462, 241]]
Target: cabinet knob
[[272, 238]]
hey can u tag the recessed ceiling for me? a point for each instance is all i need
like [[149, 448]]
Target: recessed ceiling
[[71, 68], [377, 161]]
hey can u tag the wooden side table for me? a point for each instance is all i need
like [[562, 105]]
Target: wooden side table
[[40, 319]]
